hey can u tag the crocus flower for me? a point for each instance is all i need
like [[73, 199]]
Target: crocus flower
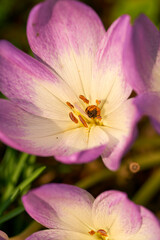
[[3, 236], [72, 100], [142, 66], [72, 213]]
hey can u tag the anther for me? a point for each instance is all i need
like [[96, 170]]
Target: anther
[[98, 102], [83, 121], [84, 99], [69, 105], [92, 232], [73, 118], [102, 232]]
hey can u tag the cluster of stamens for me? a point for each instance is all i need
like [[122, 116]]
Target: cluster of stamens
[[101, 234], [91, 111]]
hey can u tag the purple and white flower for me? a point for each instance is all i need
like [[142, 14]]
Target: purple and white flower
[[72, 100], [72, 213], [142, 66]]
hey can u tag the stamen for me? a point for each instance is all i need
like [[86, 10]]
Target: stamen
[[98, 102], [102, 232], [73, 118], [99, 118], [83, 121], [84, 99], [92, 232], [69, 105]]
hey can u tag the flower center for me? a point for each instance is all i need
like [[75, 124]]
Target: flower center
[[100, 234], [91, 114]]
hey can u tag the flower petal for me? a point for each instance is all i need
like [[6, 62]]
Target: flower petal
[[150, 228], [32, 85], [58, 234], [148, 104], [30, 133], [120, 127], [115, 213], [3, 236], [91, 144], [68, 45], [108, 83], [60, 206], [142, 56]]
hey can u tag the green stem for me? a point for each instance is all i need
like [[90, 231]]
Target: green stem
[[11, 214], [94, 179], [33, 227], [149, 189], [148, 160], [147, 142], [15, 175], [20, 188]]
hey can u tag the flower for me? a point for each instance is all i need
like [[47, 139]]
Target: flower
[[143, 67], [72, 100], [3, 236], [72, 213]]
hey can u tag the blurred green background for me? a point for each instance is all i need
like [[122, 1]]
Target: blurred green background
[[19, 172]]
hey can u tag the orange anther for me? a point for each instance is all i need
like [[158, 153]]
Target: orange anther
[[69, 105], [73, 118], [98, 102], [102, 232], [92, 232], [84, 99], [83, 121]]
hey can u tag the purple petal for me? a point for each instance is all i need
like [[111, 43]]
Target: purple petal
[[32, 85], [47, 137], [58, 234], [3, 236], [108, 74], [30, 133], [82, 156], [65, 34], [120, 127], [150, 228], [60, 206], [114, 211], [149, 104], [141, 54]]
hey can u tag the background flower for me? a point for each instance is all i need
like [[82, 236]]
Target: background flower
[[142, 67], [3, 236], [72, 213]]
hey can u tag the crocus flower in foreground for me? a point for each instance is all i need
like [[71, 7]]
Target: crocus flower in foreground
[[71, 213], [3, 236], [142, 65], [71, 101]]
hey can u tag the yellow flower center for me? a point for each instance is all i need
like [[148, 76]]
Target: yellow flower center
[[91, 114], [100, 234]]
